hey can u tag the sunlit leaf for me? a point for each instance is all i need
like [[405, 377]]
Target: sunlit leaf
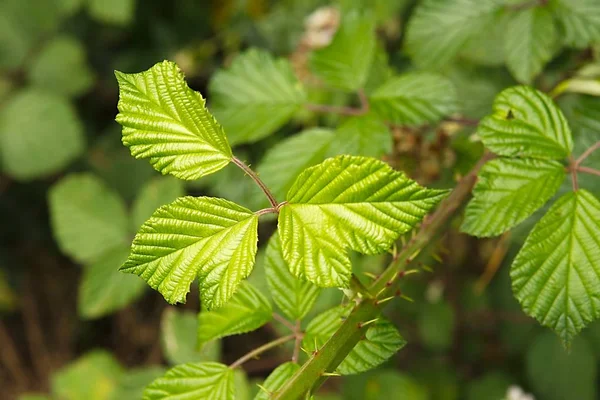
[[277, 379]]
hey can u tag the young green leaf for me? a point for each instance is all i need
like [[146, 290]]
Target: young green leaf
[[362, 136], [438, 30], [580, 21], [167, 122], [255, 96], [293, 296], [381, 341], [345, 63], [508, 191], [88, 219], [415, 99], [40, 134], [526, 123], [178, 337], [247, 310], [157, 192], [277, 379], [283, 162], [208, 380], [557, 272], [211, 239], [103, 289], [347, 202]]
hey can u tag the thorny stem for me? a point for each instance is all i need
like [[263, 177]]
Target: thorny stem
[[259, 350], [259, 182], [298, 342], [332, 353]]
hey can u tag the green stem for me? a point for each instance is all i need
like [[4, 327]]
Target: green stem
[[262, 349], [334, 351]]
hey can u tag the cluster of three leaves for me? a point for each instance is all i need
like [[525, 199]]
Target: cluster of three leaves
[[555, 275]]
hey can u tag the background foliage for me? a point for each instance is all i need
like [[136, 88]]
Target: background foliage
[[72, 197]]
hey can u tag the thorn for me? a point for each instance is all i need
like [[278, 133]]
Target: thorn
[[426, 267], [397, 293], [363, 324], [388, 283], [384, 300], [409, 272], [415, 254], [331, 374], [316, 345], [380, 292], [264, 389], [444, 250], [370, 275], [306, 351], [437, 257], [403, 241], [402, 296]]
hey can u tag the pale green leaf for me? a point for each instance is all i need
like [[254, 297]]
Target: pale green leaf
[[211, 239], [247, 310], [93, 376], [277, 379], [179, 338], [132, 384], [194, 381], [484, 49], [508, 191], [294, 297], [61, 67], [347, 202], [40, 134], [117, 12], [103, 289], [158, 192], [381, 341], [580, 21], [530, 42], [525, 122], [345, 63], [439, 30], [415, 99], [287, 159], [167, 122], [88, 219], [255, 96], [556, 275], [362, 136], [555, 373]]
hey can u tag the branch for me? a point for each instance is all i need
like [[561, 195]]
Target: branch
[[588, 170], [261, 349], [284, 321], [298, 342], [258, 181], [587, 153], [326, 359]]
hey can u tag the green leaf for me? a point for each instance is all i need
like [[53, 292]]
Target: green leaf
[[293, 296], [580, 21], [158, 192], [384, 385], [362, 136], [132, 384], [287, 159], [103, 289], [345, 63], [167, 122], [255, 96], [436, 326], [381, 341], [415, 99], [247, 310], [525, 122], [208, 380], [40, 134], [557, 374], [211, 239], [530, 42], [557, 272], [61, 68], [492, 385], [438, 30], [179, 338], [88, 219], [347, 202], [277, 379], [116, 12], [92, 377], [508, 191]]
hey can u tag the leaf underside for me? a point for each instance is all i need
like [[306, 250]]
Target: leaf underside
[[556, 275], [347, 202]]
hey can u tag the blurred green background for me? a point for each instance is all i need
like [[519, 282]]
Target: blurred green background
[[63, 170]]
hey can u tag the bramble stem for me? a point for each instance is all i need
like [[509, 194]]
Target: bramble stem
[[284, 321], [332, 353], [588, 170], [298, 342], [254, 176], [587, 153], [261, 349], [573, 169]]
